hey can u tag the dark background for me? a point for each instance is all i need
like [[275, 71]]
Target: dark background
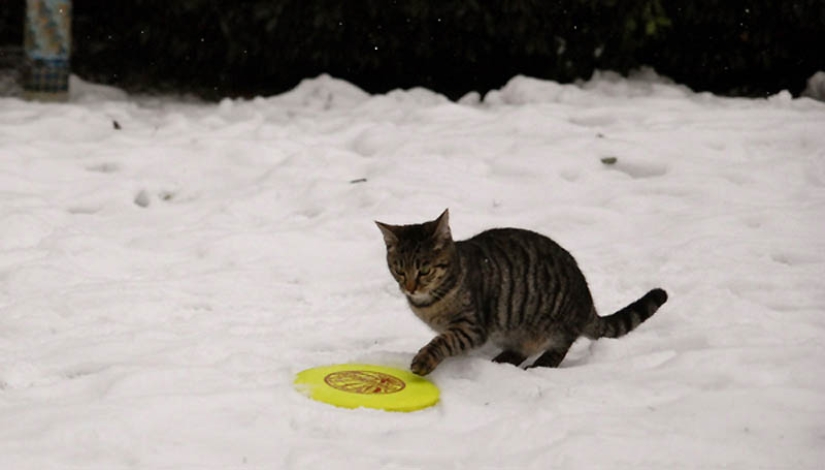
[[218, 48]]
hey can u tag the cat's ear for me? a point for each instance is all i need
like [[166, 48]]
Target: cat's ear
[[441, 231], [390, 238]]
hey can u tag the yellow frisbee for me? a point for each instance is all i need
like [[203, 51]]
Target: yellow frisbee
[[368, 386]]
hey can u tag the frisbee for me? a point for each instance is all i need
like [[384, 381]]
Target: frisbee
[[367, 386]]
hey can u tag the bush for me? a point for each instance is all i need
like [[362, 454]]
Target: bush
[[742, 47], [217, 48], [11, 23]]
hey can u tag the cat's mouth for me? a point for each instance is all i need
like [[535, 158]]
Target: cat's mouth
[[413, 289], [418, 296]]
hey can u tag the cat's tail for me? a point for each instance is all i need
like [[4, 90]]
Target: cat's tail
[[626, 319]]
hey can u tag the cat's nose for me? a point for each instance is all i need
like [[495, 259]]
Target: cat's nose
[[410, 285]]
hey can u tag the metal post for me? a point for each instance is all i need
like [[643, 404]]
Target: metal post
[[48, 47]]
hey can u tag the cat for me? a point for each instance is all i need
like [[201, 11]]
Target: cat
[[513, 287]]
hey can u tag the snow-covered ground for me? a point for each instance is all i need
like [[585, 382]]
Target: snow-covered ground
[[162, 283]]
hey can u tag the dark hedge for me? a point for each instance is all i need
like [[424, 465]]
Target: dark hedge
[[229, 48], [11, 22]]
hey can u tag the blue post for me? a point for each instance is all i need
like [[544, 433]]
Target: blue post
[[48, 47]]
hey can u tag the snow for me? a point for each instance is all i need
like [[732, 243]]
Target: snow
[[815, 86], [162, 283]]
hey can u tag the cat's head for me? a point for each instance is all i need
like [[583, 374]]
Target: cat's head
[[419, 256]]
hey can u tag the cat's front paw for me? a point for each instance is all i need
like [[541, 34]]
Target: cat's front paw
[[423, 363]]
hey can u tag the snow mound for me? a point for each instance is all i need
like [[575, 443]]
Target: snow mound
[[642, 83], [815, 87]]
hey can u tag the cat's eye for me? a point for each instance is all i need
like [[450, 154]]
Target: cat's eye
[[424, 270], [398, 272]]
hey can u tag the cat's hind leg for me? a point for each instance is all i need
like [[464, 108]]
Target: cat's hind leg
[[553, 356], [509, 356]]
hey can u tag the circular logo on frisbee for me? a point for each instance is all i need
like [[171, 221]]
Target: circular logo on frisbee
[[365, 382]]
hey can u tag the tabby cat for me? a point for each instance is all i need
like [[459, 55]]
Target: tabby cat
[[515, 288]]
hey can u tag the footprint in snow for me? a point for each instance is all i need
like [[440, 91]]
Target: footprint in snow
[[144, 199], [83, 210], [105, 167], [636, 170]]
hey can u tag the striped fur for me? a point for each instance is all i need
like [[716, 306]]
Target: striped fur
[[515, 288]]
